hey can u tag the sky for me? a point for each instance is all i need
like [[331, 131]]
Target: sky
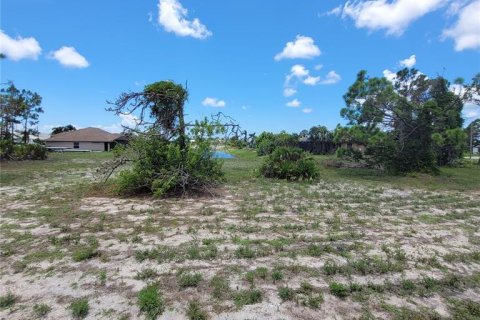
[[271, 65]]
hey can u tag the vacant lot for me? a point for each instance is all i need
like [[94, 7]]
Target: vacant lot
[[354, 244]]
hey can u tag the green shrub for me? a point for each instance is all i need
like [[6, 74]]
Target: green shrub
[[349, 154], [245, 252], [188, 279], [286, 293], [195, 312], [289, 163], [11, 151], [80, 308], [7, 300], [150, 301], [161, 167], [6, 149], [220, 287], [277, 275], [41, 310], [82, 254], [338, 289], [250, 296]]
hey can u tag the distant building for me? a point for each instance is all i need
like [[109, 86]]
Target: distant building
[[92, 139]]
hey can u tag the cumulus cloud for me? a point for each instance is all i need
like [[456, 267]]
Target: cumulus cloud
[[69, 57], [300, 74], [213, 102], [288, 92], [409, 62], [311, 81], [471, 112], [307, 110], [389, 75], [19, 48], [302, 48], [129, 120], [393, 16], [331, 78], [466, 30], [294, 103], [173, 17]]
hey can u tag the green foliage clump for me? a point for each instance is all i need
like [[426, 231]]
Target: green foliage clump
[[82, 254], [410, 123], [267, 142], [338, 289], [289, 163], [11, 151], [286, 293], [80, 308], [41, 310], [150, 301], [195, 312], [249, 296], [162, 167], [188, 279], [7, 300]]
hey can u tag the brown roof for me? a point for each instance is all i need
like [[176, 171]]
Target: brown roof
[[86, 135]]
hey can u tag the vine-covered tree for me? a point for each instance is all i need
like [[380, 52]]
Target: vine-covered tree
[[165, 157], [412, 123]]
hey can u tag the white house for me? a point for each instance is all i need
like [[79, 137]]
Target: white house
[[92, 139]]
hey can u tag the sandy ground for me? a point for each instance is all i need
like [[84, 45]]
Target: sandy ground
[[422, 234]]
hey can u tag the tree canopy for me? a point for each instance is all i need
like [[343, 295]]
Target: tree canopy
[[410, 123]]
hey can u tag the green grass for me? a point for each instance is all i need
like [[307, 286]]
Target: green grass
[[7, 300], [80, 308], [41, 310], [195, 311], [189, 279], [151, 302], [249, 296]]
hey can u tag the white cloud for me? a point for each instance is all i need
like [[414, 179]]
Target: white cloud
[[299, 71], [19, 48], [334, 12], [288, 92], [389, 75], [318, 67], [294, 103], [172, 16], [213, 102], [471, 112], [69, 57], [409, 62], [394, 16], [466, 31], [302, 48], [311, 81], [307, 110], [301, 74], [331, 78], [129, 120]]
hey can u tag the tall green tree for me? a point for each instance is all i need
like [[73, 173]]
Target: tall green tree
[[414, 122], [29, 113]]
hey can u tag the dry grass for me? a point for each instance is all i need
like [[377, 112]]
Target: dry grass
[[263, 249]]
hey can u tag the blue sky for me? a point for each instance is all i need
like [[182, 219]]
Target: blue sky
[[271, 65]]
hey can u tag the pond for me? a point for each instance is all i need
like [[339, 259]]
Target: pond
[[222, 155]]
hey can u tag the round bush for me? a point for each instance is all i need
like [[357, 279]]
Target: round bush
[[289, 163]]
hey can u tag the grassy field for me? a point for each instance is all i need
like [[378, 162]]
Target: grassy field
[[356, 244]]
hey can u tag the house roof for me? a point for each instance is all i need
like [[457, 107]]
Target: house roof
[[86, 135]]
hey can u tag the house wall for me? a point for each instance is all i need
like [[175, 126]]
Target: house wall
[[94, 146]]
